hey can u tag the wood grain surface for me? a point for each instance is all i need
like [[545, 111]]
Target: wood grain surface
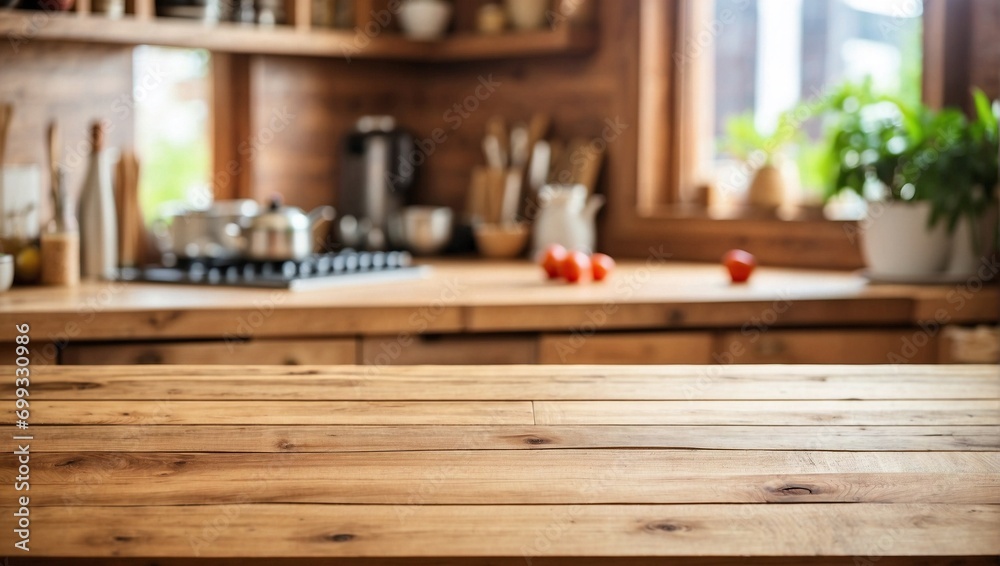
[[502, 465]]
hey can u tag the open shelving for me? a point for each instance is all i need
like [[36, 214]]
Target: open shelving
[[142, 27]]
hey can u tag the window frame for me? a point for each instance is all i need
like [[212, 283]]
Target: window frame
[[671, 112]]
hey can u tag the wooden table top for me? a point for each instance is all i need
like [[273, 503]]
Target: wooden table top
[[480, 296], [526, 462]]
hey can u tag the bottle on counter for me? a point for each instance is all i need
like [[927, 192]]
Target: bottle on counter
[[60, 242], [98, 221]]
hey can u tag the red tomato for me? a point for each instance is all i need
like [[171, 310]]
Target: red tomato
[[602, 265], [575, 266], [740, 265], [552, 260]]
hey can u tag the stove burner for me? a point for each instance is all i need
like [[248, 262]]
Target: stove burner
[[315, 272]]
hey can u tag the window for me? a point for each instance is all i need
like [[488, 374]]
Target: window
[[678, 152], [172, 90], [771, 57]]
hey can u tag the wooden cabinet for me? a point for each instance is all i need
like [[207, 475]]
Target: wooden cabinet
[[262, 352], [626, 348], [449, 350], [783, 346], [807, 346]]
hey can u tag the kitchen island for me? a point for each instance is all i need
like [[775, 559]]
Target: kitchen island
[[450, 465], [466, 312]]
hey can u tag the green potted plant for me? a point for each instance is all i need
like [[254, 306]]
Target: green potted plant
[[764, 155], [963, 182], [921, 170]]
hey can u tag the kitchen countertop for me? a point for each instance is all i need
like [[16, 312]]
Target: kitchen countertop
[[480, 296], [525, 462]]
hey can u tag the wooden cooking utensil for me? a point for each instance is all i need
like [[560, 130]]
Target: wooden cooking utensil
[[475, 205], [520, 146], [132, 233], [52, 147], [6, 116], [511, 199], [493, 150], [541, 160], [589, 168], [496, 179], [538, 128], [497, 127]]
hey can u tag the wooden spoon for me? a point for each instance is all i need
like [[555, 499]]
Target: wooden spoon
[[6, 116], [53, 155]]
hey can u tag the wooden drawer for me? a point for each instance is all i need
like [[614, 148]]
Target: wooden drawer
[[262, 352], [627, 348], [825, 347], [449, 350]]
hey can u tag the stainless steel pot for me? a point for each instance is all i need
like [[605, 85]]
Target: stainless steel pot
[[284, 232], [213, 233]]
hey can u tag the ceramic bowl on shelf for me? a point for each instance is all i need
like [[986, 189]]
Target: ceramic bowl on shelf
[[425, 19], [526, 14]]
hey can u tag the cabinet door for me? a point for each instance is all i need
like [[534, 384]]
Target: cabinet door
[[786, 346], [262, 352], [449, 350], [627, 348]]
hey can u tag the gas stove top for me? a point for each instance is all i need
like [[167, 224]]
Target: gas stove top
[[320, 271]]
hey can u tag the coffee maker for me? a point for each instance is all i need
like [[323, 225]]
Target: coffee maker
[[376, 172]]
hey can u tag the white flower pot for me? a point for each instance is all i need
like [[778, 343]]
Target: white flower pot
[[896, 242]]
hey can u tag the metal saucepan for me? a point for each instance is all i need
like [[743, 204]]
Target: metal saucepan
[[212, 233], [284, 232]]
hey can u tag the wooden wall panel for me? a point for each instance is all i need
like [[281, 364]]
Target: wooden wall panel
[[74, 83], [303, 108]]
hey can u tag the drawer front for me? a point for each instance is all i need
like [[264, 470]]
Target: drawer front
[[449, 350], [627, 348], [263, 352], [825, 347]]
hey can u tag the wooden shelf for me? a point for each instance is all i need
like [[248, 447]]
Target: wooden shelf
[[288, 40]]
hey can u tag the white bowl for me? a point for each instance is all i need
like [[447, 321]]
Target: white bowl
[[425, 19], [424, 230]]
